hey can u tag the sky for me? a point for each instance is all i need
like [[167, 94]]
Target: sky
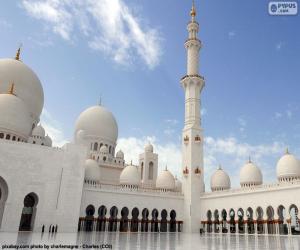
[[130, 53]]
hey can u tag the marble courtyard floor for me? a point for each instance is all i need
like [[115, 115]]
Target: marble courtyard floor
[[147, 241]]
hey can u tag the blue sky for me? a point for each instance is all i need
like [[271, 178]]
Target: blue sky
[[132, 54]]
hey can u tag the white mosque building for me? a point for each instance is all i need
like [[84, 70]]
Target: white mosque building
[[87, 186]]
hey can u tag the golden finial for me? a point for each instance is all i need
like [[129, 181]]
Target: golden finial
[[219, 167], [193, 10], [17, 57], [249, 160], [287, 150], [11, 89]]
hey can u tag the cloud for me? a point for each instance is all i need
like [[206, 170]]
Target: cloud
[[289, 114], [229, 152], [231, 34], [279, 45], [53, 128], [109, 26], [278, 115], [5, 24], [203, 112]]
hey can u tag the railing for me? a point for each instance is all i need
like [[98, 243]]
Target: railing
[[129, 189], [263, 187]]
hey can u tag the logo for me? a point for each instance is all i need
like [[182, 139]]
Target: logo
[[283, 8]]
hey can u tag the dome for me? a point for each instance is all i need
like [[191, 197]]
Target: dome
[[92, 170], [130, 176], [219, 180], [149, 148], [103, 149], [250, 175], [178, 185], [48, 141], [288, 167], [98, 122], [120, 154], [15, 116], [165, 180], [38, 131], [27, 85]]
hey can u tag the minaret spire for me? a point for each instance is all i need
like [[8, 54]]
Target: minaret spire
[[17, 57], [193, 12]]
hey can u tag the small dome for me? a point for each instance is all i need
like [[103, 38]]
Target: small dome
[[288, 167], [165, 180], [98, 122], [178, 185], [27, 85], [250, 175], [120, 154], [103, 149], [219, 180], [15, 117], [130, 176], [48, 141], [92, 170], [38, 131], [80, 136], [149, 148]]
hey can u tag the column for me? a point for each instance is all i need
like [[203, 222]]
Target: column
[[265, 227], [289, 227], [255, 227]]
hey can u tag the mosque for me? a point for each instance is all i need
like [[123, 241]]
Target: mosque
[[87, 186]]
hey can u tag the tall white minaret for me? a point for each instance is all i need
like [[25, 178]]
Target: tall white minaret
[[192, 134]]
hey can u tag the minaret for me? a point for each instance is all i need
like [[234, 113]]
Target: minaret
[[192, 134]]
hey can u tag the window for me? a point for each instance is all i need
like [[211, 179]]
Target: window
[[150, 177], [14, 138], [95, 146], [1, 135], [7, 137]]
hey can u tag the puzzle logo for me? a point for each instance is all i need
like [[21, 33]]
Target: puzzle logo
[[283, 8]]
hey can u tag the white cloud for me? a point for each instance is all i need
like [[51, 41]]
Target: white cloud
[[5, 24], [108, 25], [225, 151], [289, 114], [53, 128], [231, 34], [279, 45], [278, 115]]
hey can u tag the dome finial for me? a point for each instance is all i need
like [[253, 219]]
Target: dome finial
[[11, 89], [249, 160], [17, 57], [166, 168], [287, 150], [100, 101], [193, 10], [131, 162], [219, 167]]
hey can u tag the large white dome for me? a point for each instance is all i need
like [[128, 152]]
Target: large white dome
[[92, 170], [165, 180], [250, 175], [288, 167], [130, 176], [14, 118], [98, 122], [27, 85], [219, 180]]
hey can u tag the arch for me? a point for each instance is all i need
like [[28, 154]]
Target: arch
[[154, 220], [28, 212], [293, 212], [270, 220], [144, 223], [250, 221], [1, 135], [101, 221], [240, 214], [283, 228], [124, 220], [259, 220], [164, 221], [135, 220], [89, 218], [209, 222], [95, 146], [151, 166], [172, 221], [224, 221], [216, 221], [112, 225], [232, 220], [3, 197], [7, 137]]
